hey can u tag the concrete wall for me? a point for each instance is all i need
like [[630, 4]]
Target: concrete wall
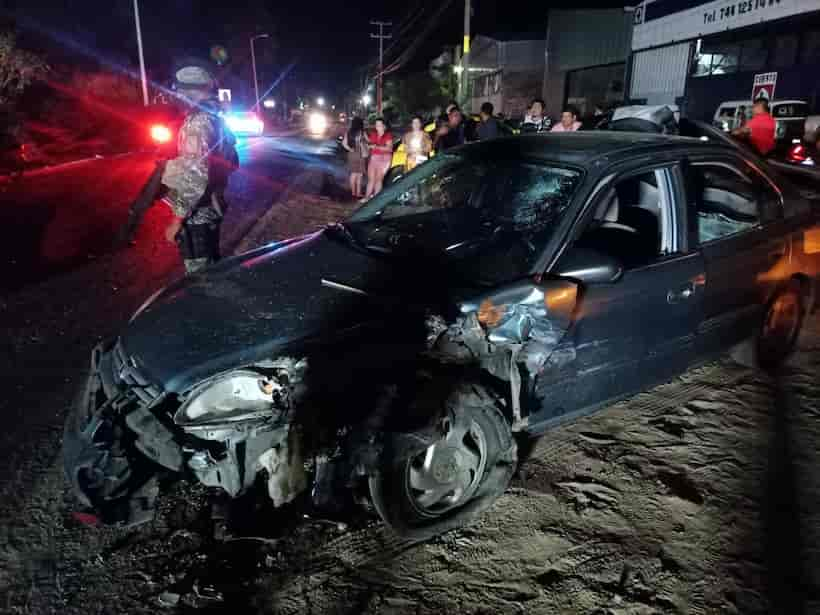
[[579, 39]]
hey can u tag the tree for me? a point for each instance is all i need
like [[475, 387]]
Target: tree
[[18, 68]]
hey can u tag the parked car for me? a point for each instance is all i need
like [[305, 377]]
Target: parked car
[[506, 128], [245, 123], [789, 115], [499, 290]]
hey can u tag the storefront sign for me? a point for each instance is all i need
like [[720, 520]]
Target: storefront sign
[[763, 86], [660, 22]]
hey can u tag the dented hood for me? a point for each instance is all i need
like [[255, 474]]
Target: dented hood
[[253, 306]]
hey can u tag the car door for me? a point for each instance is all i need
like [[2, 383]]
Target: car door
[[736, 221], [640, 329]]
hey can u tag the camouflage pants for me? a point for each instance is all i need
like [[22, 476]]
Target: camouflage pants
[[198, 245], [192, 265]]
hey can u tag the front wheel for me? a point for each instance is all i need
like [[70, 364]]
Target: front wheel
[[429, 485], [781, 325]]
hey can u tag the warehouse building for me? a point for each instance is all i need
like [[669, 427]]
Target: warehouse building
[[507, 71], [698, 54], [586, 58]]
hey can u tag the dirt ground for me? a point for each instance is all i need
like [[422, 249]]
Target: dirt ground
[[700, 496]]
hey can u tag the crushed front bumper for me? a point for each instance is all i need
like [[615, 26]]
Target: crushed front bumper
[[98, 450]]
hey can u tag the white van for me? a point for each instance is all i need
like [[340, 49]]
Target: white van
[[789, 116]]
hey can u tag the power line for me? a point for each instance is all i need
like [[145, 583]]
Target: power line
[[408, 53]]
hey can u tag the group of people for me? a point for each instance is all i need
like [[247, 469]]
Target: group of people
[[371, 152]]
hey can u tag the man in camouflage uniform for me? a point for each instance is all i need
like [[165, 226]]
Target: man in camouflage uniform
[[197, 178]]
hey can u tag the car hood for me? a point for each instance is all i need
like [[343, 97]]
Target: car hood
[[252, 307]]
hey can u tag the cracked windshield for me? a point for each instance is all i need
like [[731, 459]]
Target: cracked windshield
[[496, 214]]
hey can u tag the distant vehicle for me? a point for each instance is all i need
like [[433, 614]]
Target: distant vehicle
[[501, 288], [506, 129], [244, 123], [318, 124], [789, 116]]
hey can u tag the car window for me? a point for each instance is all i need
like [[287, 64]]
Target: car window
[[725, 200], [633, 220]]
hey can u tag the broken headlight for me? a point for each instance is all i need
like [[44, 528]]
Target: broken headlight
[[234, 397]]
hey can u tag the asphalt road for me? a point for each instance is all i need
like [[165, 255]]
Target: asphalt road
[[62, 288], [56, 220]]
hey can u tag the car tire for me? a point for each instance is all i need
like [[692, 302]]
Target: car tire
[[439, 479], [781, 325], [779, 330]]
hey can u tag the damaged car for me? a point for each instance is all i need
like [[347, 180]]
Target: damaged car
[[395, 360]]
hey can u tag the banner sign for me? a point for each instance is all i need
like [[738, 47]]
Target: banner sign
[[661, 22], [763, 86]]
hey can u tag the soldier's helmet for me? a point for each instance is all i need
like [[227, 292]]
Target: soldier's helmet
[[193, 75]]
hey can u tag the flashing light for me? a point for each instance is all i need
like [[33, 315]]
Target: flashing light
[[245, 123], [317, 123], [269, 103], [160, 133], [320, 101]]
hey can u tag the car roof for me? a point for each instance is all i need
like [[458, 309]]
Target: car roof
[[580, 148]]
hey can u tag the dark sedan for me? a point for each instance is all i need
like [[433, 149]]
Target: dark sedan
[[498, 289]]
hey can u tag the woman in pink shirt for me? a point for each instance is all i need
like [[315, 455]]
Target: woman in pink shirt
[[569, 121], [381, 153]]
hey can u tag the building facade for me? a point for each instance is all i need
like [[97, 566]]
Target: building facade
[[587, 53], [700, 53], [508, 73]]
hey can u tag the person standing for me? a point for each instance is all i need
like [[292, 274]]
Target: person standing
[[488, 128], [417, 144], [193, 184], [355, 143], [453, 134], [535, 120], [759, 130], [380, 141], [569, 121]]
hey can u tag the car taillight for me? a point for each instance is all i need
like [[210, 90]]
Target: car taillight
[[797, 153], [160, 133]]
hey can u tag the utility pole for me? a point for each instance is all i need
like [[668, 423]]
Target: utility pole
[[142, 57], [253, 64], [465, 56], [381, 36]]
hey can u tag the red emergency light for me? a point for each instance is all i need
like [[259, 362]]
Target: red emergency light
[[160, 133]]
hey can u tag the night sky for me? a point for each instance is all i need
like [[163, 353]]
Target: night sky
[[328, 41]]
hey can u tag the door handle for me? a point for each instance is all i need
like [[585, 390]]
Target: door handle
[[682, 294]]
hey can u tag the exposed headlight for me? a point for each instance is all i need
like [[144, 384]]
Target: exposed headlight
[[237, 396], [317, 123]]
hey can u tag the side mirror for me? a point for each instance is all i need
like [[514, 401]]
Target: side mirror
[[589, 266]]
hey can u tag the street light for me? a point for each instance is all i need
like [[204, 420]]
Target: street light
[[142, 56], [320, 101], [366, 100], [253, 63]]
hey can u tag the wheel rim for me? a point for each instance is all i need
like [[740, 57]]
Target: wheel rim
[[448, 472], [782, 319]]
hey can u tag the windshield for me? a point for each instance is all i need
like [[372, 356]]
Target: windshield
[[486, 220]]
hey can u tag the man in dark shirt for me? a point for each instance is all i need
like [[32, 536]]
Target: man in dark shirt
[[453, 133], [488, 128]]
